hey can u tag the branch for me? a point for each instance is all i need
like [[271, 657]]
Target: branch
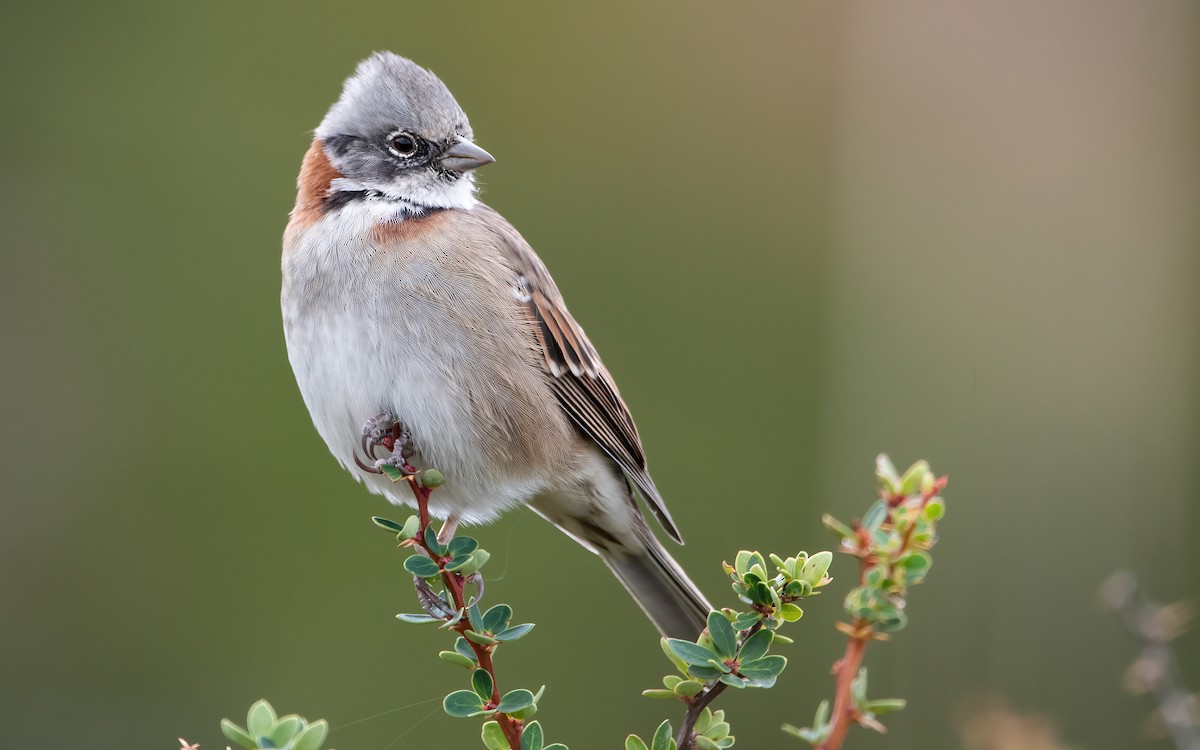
[[455, 584], [891, 544]]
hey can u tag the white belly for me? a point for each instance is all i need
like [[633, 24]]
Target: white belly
[[364, 340]]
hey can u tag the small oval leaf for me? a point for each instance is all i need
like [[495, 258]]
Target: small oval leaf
[[462, 703], [481, 683], [515, 700], [313, 736]]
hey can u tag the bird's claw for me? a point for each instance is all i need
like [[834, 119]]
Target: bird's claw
[[384, 430]]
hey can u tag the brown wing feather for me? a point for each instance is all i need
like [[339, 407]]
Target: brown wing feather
[[582, 384]]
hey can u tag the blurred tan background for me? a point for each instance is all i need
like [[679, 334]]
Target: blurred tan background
[[799, 232]]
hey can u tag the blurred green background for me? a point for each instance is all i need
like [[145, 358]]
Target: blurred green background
[[800, 233]]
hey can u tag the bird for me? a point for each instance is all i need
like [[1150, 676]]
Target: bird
[[414, 311]]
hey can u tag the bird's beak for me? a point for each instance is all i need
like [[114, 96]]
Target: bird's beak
[[464, 156]]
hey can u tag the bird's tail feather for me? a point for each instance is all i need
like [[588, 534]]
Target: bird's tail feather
[[660, 587]]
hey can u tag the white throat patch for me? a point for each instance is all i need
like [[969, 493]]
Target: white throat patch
[[457, 194]]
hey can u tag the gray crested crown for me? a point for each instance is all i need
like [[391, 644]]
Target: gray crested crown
[[388, 92]]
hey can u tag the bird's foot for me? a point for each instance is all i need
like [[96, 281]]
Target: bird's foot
[[385, 431]]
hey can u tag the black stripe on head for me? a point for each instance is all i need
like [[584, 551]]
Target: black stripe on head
[[340, 145], [339, 198]]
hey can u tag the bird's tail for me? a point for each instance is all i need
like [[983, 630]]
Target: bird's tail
[[660, 588]]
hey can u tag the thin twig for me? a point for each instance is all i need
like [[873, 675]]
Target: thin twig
[[455, 584], [684, 739], [846, 669]]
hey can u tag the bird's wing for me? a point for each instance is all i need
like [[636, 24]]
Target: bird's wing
[[582, 384]]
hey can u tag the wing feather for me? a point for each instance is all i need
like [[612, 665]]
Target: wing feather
[[584, 388]]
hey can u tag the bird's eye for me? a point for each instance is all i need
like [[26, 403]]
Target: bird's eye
[[404, 144]]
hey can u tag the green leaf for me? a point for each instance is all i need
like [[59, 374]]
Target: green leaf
[[790, 612], [798, 588], [461, 545], [821, 718], [888, 476], [659, 693], [762, 593], [688, 688], [478, 559], [814, 570], [237, 735], [260, 719], [475, 617], [743, 561], [464, 648], [680, 664], [764, 668], [515, 700], [480, 638], [914, 478], [723, 637], [392, 472], [432, 542], [411, 527], [875, 516], [746, 620], [531, 737], [704, 743], [633, 742], [706, 672], [916, 565], [889, 619], [525, 713], [662, 737], [692, 654], [384, 523], [432, 478], [718, 731], [733, 680], [458, 563], [756, 646], [671, 680], [809, 735], [858, 688], [421, 566], [555, 746], [935, 509], [493, 736], [456, 658], [481, 683], [496, 618], [886, 705], [462, 703], [285, 729], [312, 737], [837, 527], [515, 632], [417, 618]]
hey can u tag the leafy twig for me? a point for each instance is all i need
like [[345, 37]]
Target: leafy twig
[[891, 544], [455, 563]]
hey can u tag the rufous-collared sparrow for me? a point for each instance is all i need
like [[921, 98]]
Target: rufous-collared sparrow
[[408, 303]]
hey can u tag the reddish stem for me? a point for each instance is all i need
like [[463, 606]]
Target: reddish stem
[[455, 584], [844, 713], [846, 668]]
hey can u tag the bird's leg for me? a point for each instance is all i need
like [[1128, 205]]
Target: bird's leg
[[384, 430], [448, 528]]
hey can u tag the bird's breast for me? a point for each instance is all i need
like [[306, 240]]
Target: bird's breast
[[419, 318]]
